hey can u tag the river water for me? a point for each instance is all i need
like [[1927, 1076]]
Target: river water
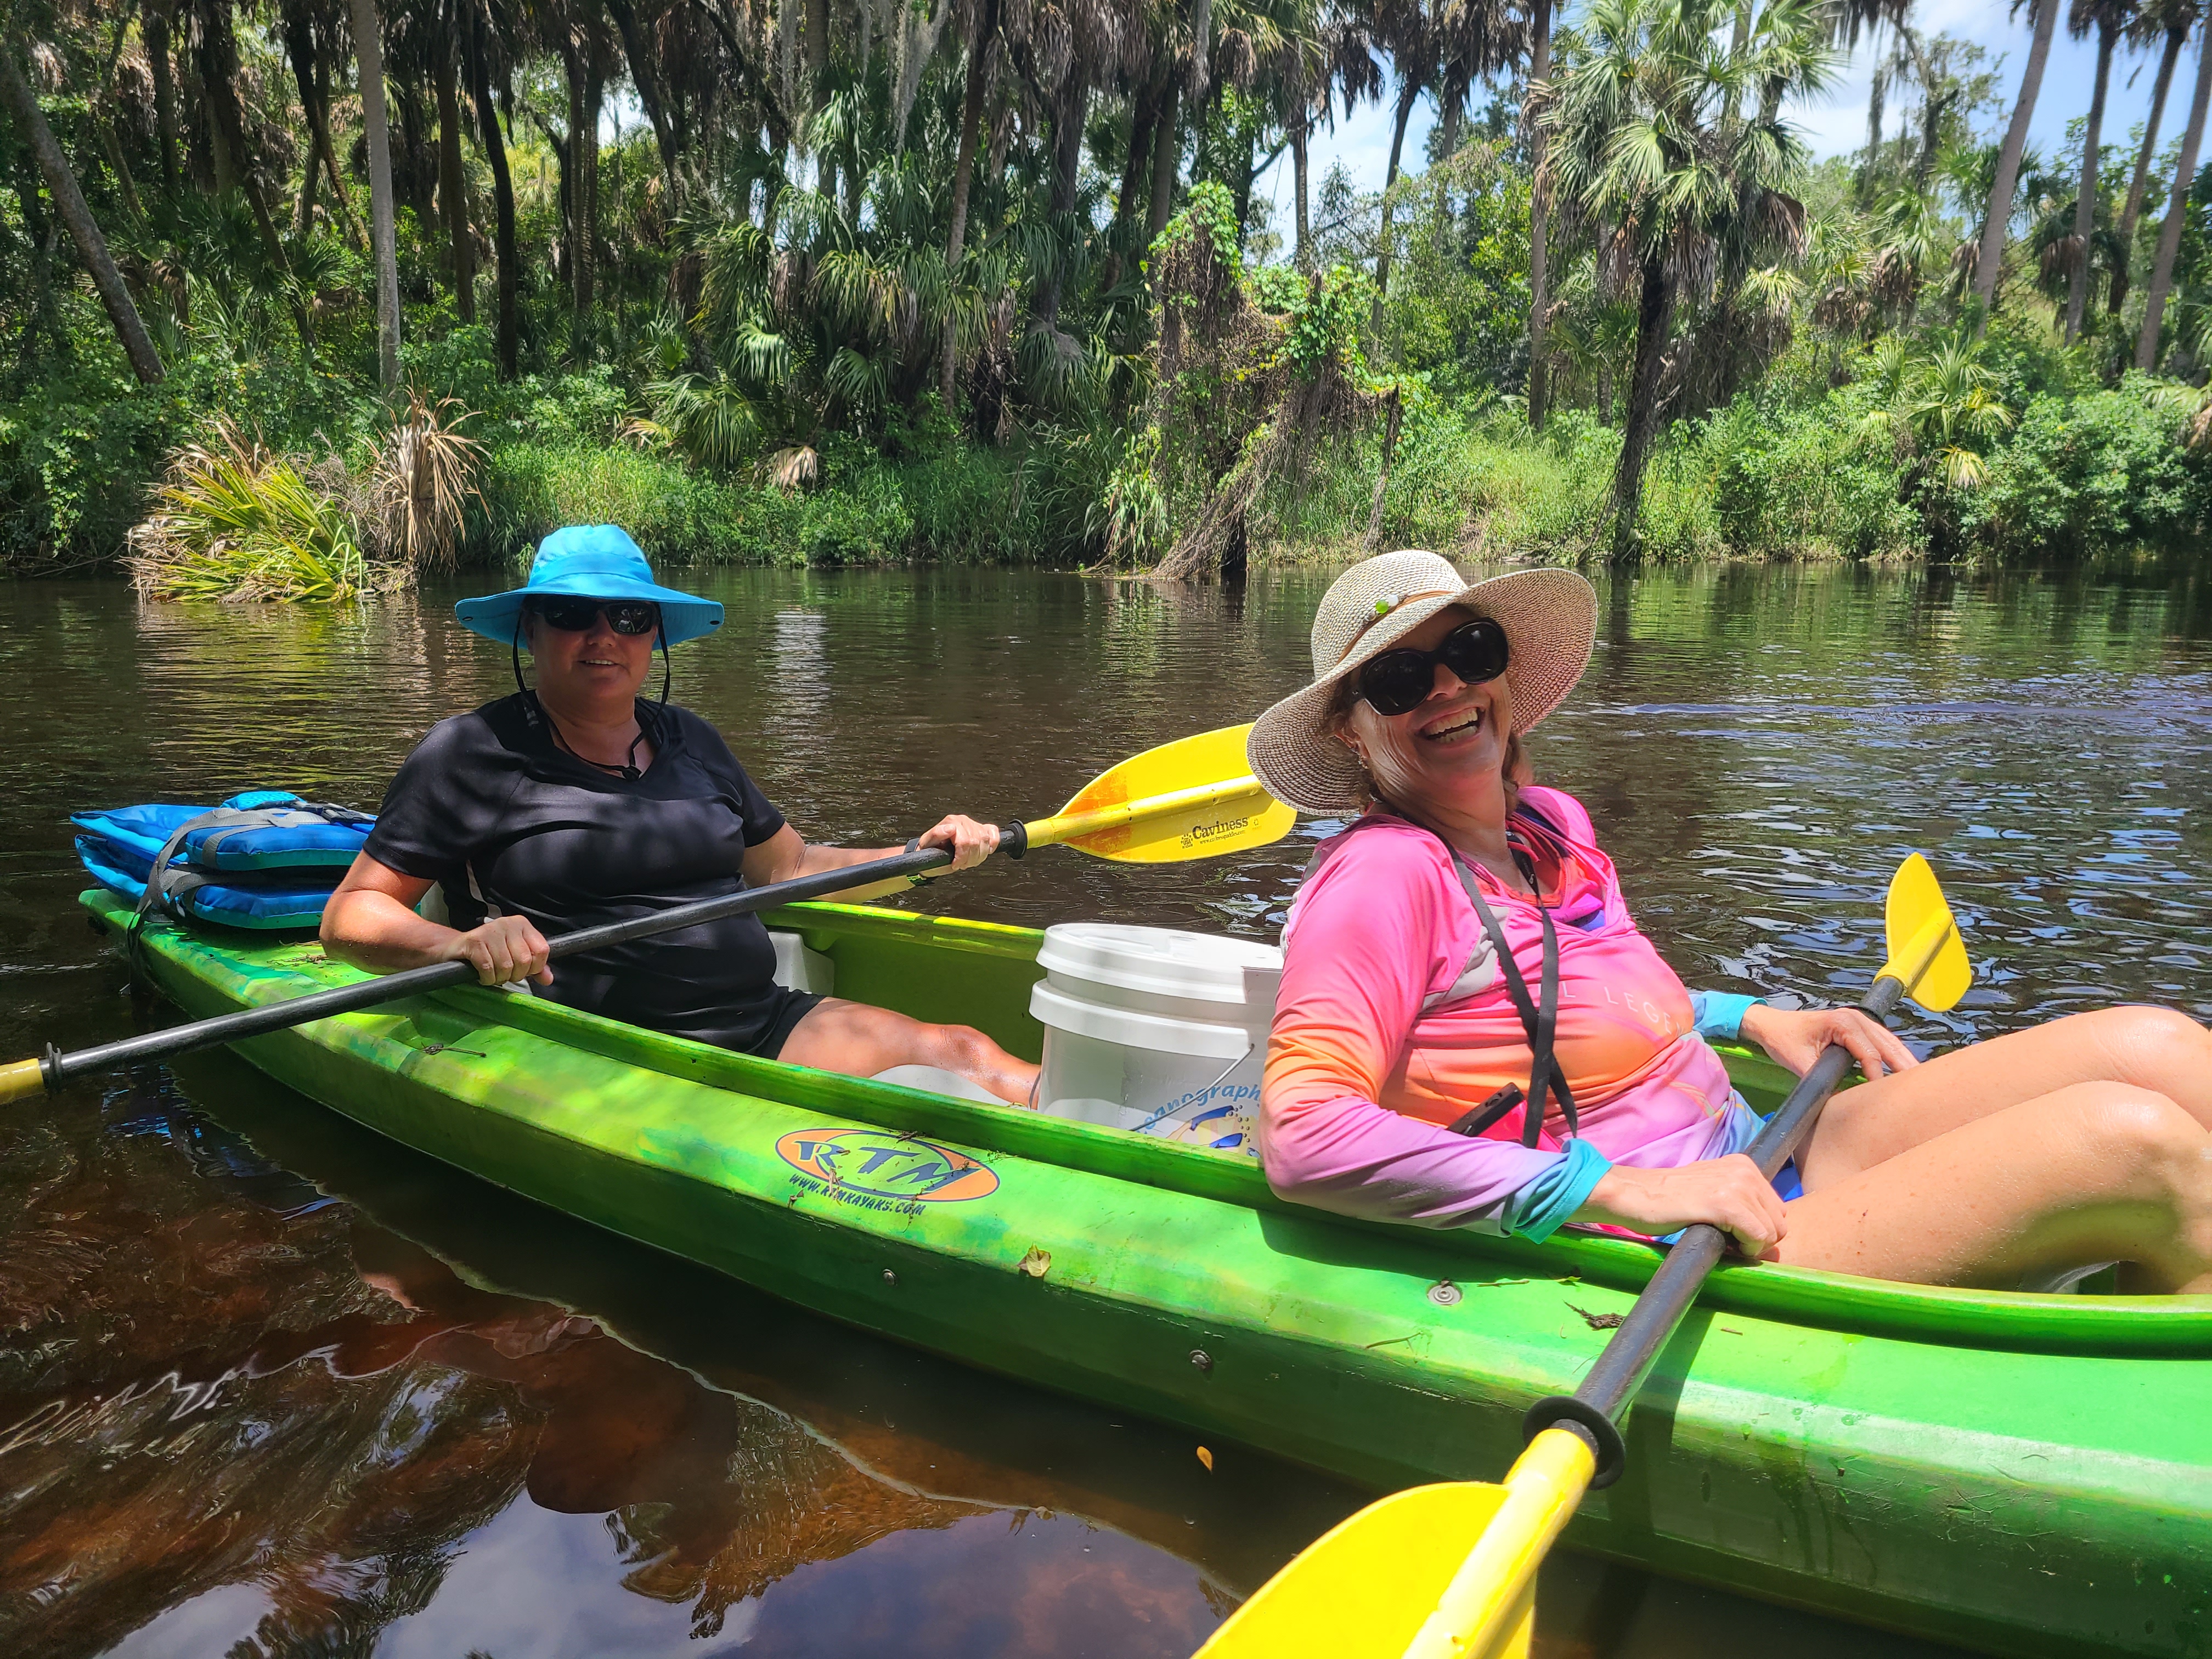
[[271, 1386]]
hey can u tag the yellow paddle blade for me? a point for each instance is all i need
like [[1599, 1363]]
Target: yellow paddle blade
[[1926, 954], [1187, 799], [21, 1079], [1363, 1590]]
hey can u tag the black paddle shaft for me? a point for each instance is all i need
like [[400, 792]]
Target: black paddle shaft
[[59, 1068], [1592, 1410]]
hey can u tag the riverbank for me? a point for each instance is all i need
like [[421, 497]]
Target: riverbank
[[1804, 470]]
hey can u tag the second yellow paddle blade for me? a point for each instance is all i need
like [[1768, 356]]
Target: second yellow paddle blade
[[1363, 1590], [1215, 818], [1921, 930]]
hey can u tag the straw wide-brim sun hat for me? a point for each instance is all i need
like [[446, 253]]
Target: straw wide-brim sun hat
[[1550, 619]]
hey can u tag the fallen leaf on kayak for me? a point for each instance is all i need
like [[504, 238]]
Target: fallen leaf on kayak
[[1206, 1457], [1037, 1263], [1600, 1321]]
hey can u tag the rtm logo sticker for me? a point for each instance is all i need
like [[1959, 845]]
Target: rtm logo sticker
[[860, 1165]]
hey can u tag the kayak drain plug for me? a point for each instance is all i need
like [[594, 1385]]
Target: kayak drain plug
[[1445, 1294], [889, 1278], [1203, 1360]]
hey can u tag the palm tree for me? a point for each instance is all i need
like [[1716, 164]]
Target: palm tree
[[479, 28], [2015, 140], [982, 39], [1643, 142], [369, 52], [61, 183], [2109, 18], [1540, 208], [2172, 20], [2177, 210]]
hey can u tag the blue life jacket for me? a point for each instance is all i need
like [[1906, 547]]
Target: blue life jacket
[[266, 858]]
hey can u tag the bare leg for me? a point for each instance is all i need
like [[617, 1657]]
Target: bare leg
[[859, 1040], [2089, 1172], [2153, 1049]]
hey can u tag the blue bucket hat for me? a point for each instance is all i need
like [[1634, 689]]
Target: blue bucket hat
[[589, 561]]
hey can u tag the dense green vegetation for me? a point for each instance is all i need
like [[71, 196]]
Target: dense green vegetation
[[840, 282]]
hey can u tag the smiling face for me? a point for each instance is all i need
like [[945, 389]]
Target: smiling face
[[594, 672], [1450, 750]]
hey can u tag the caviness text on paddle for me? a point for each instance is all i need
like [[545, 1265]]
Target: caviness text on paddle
[[1191, 798], [1396, 1579]]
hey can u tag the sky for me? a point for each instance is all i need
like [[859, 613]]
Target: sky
[[1836, 124]]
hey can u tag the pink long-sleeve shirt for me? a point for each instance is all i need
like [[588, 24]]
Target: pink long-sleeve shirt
[[1392, 1021]]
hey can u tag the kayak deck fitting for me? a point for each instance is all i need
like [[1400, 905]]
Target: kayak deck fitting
[[2024, 1473]]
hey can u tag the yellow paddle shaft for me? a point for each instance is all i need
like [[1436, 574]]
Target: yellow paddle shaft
[[1909, 965], [1488, 1596], [19, 1079], [1072, 826]]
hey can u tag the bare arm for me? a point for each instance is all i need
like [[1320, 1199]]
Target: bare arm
[[370, 921], [786, 855]]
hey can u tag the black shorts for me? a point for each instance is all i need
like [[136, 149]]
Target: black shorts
[[784, 1013]]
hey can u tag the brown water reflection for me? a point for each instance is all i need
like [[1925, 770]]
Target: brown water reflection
[[269, 1386]]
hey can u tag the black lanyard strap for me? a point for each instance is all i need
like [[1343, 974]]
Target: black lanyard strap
[[1539, 1017]]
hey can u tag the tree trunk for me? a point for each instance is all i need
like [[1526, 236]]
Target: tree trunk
[[46, 310], [1408, 95], [311, 71], [478, 52], [1993, 232], [1067, 158], [1300, 171], [583, 192], [2177, 210], [963, 176], [452, 192], [1540, 213], [354, 234], [644, 75], [1144, 116], [1383, 478], [1875, 100], [2085, 204], [303, 217], [2167, 58], [68, 201], [220, 75], [1655, 315], [1167, 154], [368, 52], [165, 95]]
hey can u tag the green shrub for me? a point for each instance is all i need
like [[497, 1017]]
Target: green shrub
[[1804, 483], [677, 516], [2080, 475]]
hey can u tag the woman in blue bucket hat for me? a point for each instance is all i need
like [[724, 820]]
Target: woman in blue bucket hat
[[577, 802]]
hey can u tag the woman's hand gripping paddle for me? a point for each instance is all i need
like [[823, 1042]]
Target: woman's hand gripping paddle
[[1189, 800], [1397, 1579]]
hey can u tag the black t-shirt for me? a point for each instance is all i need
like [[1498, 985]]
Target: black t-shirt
[[508, 822]]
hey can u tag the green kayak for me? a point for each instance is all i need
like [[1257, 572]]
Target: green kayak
[[2025, 1474]]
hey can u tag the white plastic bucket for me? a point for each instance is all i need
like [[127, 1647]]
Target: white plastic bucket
[[1156, 1031]]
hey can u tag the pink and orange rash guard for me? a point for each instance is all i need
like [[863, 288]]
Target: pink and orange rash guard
[[1394, 1021]]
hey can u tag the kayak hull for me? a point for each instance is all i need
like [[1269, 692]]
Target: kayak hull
[[2019, 1473]]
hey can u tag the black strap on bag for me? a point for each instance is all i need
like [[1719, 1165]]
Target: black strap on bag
[[1540, 1019], [167, 888]]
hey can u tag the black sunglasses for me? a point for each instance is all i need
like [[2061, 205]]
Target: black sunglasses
[[1398, 682], [575, 616]]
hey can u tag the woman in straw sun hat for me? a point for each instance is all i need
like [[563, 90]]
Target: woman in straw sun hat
[[1471, 1031]]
